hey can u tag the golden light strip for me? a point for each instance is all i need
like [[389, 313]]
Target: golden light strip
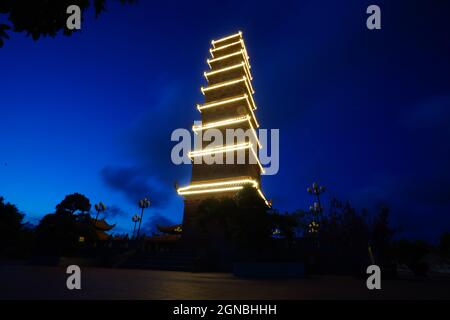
[[247, 67], [226, 46], [213, 42], [241, 41], [218, 184], [224, 149], [254, 132], [227, 122], [251, 110], [263, 197], [242, 64], [219, 103], [220, 123], [251, 96], [230, 83], [249, 86], [220, 85], [257, 159], [209, 61], [210, 190], [188, 189]]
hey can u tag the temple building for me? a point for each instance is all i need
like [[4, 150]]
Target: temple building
[[228, 104], [101, 229]]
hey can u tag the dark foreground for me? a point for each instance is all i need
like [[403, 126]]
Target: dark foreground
[[31, 282]]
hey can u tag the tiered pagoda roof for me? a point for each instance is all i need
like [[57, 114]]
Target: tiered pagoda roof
[[101, 227]]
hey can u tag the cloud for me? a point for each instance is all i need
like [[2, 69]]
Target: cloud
[[148, 141], [150, 226], [134, 184], [148, 145], [114, 212]]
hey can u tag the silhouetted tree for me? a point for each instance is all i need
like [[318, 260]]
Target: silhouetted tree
[[59, 233], [74, 202], [287, 224], [381, 234], [344, 237], [43, 17], [11, 225]]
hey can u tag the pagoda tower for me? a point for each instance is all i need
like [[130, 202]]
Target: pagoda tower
[[228, 104]]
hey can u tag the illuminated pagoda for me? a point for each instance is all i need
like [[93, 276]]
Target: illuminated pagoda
[[228, 104]]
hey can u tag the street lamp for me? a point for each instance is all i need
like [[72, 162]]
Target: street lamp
[[313, 227], [316, 190], [135, 219], [99, 207], [143, 204], [316, 209]]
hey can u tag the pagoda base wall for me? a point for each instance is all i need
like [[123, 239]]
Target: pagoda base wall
[[190, 229], [212, 251]]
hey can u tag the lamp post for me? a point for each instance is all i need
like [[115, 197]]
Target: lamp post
[[316, 209], [143, 204], [135, 219], [315, 190], [99, 207]]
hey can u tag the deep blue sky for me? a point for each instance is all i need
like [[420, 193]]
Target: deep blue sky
[[366, 113]]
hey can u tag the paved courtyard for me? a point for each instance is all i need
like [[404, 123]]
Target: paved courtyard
[[31, 282]]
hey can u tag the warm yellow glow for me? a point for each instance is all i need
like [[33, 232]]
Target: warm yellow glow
[[210, 190], [262, 196], [239, 34], [209, 61], [254, 133], [221, 47], [249, 86], [251, 110], [241, 41], [247, 68], [219, 103], [219, 184], [222, 123], [242, 64], [222, 102], [230, 83], [220, 85], [224, 149], [224, 57], [226, 46], [257, 159]]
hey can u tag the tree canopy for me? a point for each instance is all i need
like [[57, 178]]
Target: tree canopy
[[74, 202], [59, 233], [11, 224], [41, 18]]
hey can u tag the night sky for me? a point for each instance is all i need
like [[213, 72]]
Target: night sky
[[365, 113]]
